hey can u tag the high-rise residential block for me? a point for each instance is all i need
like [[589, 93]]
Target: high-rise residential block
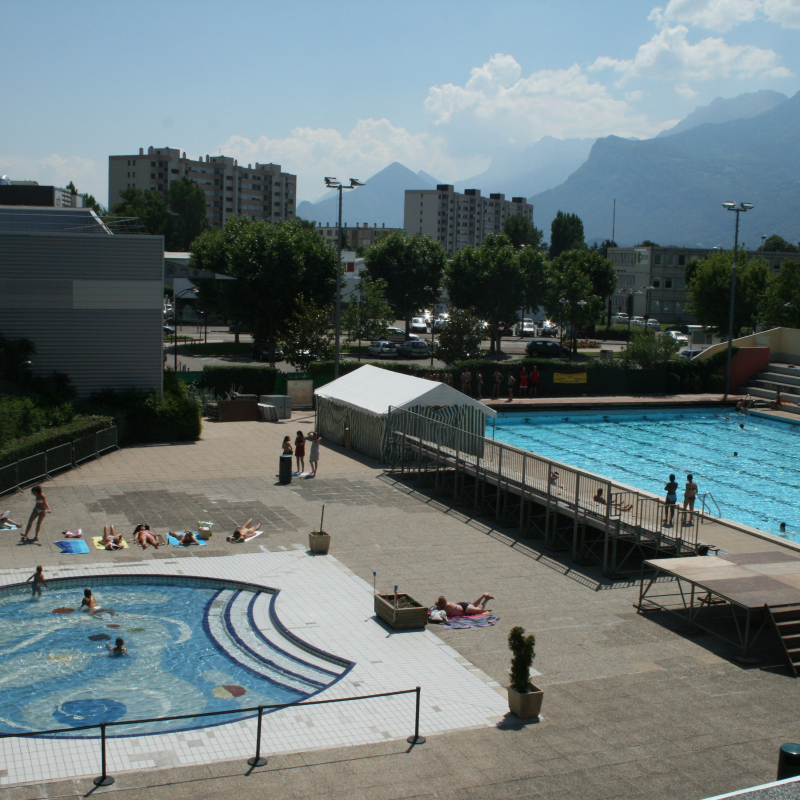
[[458, 219], [260, 191]]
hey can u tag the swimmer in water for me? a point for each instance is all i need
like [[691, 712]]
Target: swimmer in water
[[38, 581], [119, 647], [90, 604]]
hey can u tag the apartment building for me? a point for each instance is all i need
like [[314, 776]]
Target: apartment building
[[29, 193], [657, 277], [458, 219], [260, 191], [361, 236]]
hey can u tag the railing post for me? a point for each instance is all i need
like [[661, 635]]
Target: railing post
[[104, 779], [416, 738], [258, 760], [522, 494], [499, 483]]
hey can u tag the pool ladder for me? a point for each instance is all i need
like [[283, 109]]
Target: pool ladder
[[703, 502]]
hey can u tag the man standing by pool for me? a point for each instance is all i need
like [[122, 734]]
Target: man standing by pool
[[534, 376], [690, 493]]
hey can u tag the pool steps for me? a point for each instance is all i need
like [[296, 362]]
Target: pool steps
[[241, 624]]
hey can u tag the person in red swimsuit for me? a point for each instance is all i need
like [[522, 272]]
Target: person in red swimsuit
[[300, 452], [523, 382], [535, 379]]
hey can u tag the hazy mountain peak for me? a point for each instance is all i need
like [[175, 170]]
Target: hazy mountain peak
[[743, 106]]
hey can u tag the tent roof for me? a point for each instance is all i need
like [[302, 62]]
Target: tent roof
[[373, 390]]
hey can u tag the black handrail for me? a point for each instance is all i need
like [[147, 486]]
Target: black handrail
[[257, 761]]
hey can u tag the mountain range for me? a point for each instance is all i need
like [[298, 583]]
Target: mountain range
[[667, 189]]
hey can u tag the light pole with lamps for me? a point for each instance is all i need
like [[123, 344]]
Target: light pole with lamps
[[629, 295], [333, 183], [175, 298], [731, 206], [646, 290]]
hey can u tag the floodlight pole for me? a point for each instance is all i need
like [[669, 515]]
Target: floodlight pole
[[737, 210]]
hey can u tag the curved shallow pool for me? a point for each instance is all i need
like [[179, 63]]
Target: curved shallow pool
[[759, 487], [193, 645]]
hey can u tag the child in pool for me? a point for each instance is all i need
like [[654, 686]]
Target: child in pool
[[90, 604], [38, 581], [119, 647]]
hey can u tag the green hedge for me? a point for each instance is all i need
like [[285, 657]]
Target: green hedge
[[40, 441], [220, 349], [146, 417], [249, 379]]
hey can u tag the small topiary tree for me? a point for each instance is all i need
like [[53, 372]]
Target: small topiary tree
[[522, 648]]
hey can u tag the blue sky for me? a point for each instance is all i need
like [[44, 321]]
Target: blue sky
[[345, 88]]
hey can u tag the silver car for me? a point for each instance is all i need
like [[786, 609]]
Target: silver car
[[383, 349]]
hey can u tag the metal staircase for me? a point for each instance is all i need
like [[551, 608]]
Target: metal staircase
[[786, 622]]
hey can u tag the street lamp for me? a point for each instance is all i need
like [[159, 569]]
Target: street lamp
[[646, 290], [730, 206], [175, 298], [571, 306], [435, 293], [333, 183]]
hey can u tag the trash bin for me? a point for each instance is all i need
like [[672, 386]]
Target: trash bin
[[285, 469], [789, 761]]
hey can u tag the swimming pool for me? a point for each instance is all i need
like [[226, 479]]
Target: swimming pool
[[760, 487], [193, 645]]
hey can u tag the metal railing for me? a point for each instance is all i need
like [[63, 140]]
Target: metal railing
[[64, 456], [104, 779], [419, 442], [703, 503]]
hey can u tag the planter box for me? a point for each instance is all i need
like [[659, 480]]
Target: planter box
[[526, 705], [401, 619], [319, 543]]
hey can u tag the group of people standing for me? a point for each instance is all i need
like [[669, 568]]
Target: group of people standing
[[299, 450], [528, 382], [671, 501]]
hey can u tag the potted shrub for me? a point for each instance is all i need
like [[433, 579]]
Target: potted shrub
[[319, 541], [524, 699], [401, 611]]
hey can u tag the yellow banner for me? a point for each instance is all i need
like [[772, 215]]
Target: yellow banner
[[569, 377]]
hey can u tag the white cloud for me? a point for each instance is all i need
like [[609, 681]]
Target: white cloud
[[312, 153], [670, 56], [722, 15], [684, 90], [498, 106], [56, 170]]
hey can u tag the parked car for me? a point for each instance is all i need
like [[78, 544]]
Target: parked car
[[638, 321], [441, 321], [505, 329], [621, 318], [418, 325], [548, 328], [263, 354], [684, 329], [526, 327], [690, 353], [678, 337], [398, 335], [242, 328], [654, 324], [383, 349], [413, 349], [539, 347], [169, 330]]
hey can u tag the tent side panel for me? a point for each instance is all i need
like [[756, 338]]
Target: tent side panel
[[366, 430], [332, 420]]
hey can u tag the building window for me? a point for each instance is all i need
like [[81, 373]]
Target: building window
[[682, 260], [678, 306], [657, 258], [680, 283], [667, 307], [655, 306], [669, 260], [656, 282], [667, 283]]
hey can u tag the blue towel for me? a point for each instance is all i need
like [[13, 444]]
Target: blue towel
[[175, 542], [73, 547]]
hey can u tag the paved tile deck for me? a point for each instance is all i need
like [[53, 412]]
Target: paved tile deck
[[633, 706]]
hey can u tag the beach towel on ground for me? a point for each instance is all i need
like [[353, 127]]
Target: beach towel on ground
[[73, 547], [252, 536], [485, 620], [98, 543], [6, 527], [175, 542]]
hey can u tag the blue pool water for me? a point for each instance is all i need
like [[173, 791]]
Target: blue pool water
[[190, 649], [760, 487]]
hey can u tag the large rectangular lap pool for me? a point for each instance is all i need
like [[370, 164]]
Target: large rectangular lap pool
[[759, 487]]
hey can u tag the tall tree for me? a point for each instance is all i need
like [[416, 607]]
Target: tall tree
[[780, 305], [566, 233], [308, 335], [521, 231], [461, 338], [367, 315], [188, 205], [777, 244], [710, 290], [532, 263], [150, 208], [275, 266], [412, 267], [488, 281]]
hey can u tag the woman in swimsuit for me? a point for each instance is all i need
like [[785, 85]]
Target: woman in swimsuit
[[111, 539], [463, 609], [672, 498], [40, 509], [90, 604], [244, 532], [300, 452], [144, 536], [186, 538], [313, 457]]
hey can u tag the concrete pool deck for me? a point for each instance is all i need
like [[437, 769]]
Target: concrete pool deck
[[633, 708]]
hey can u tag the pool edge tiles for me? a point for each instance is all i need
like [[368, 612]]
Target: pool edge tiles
[[292, 687], [455, 696]]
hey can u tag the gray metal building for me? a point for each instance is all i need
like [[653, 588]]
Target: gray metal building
[[92, 302]]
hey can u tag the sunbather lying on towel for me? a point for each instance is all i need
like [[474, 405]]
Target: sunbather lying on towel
[[463, 609], [244, 532], [7, 522], [185, 538], [145, 536]]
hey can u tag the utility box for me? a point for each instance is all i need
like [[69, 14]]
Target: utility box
[[281, 402]]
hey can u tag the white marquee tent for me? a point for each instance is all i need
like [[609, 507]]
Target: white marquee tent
[[361, 401]]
